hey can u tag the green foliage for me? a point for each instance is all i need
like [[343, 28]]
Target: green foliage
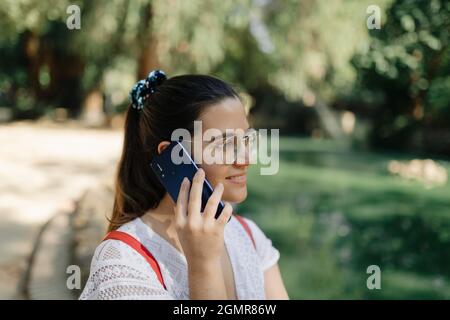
[[313, 42], [403, 75], [282, 53], [290, 45]]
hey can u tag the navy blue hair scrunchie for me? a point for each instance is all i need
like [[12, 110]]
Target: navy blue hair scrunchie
[[143, 88]]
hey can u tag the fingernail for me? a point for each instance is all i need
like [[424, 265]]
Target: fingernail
[[200, 171]]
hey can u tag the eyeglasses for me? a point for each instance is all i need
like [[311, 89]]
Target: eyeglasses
[[236, 148]]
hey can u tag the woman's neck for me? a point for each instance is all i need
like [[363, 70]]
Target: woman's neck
[[165, 207], [161, 220], [164, 212]]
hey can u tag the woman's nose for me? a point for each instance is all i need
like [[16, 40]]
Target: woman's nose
[[242, 156]]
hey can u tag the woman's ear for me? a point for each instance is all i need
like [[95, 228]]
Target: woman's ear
[[162, 145]]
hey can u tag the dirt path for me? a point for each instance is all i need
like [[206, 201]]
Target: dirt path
[[44, 168]]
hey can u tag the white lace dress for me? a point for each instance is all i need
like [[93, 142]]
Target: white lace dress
[[119, 272]]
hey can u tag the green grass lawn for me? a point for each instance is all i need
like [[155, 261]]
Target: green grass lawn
[[333, 211]]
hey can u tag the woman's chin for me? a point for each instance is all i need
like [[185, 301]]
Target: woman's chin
[[236, 195]]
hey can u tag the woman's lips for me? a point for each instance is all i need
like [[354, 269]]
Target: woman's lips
[[238, 178]]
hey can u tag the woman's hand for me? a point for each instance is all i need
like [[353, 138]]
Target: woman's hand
[[200, 234], [202, 238]]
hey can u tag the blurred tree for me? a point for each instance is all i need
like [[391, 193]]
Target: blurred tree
[[404, 77], [286, 54], [58, 66]]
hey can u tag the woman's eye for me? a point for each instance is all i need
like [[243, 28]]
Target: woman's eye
[[218, 145], [228, 144], [249, 139]]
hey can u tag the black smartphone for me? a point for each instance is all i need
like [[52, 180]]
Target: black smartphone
[[171, 173]]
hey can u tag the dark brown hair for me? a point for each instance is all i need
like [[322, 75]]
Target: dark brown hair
[[176, 103]]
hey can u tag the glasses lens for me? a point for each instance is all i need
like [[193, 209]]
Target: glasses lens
[[236, 146]]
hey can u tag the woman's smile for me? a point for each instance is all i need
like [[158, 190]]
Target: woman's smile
[[240, 178]]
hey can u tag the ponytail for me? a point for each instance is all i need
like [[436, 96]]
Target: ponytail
[[136, 187]]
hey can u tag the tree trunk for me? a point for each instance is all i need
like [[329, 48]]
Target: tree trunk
[[147, 56]]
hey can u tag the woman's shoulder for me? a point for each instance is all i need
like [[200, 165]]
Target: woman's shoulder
[[254, 230], [118, 253], [265, 249], [118, 271]]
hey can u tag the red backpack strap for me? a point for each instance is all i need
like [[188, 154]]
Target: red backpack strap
[[246, 228], [139, 247]]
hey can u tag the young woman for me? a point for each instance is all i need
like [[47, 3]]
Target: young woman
[[193, 255]]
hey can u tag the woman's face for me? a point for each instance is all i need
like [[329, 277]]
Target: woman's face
[[225, 115], [229, 114]]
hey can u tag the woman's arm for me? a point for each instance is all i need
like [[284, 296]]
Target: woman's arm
[[206, 281], [274, 286]]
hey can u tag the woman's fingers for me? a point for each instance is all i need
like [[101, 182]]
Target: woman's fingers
[[195, 195], [182, 202], [213, 202], [191, 200], [225, 214]]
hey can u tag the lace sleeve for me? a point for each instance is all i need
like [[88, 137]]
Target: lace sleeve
[[267, 253], [119, 273]]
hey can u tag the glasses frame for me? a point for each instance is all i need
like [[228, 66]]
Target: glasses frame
[[251, 132]]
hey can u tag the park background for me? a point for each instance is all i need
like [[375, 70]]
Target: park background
[[364, 118]]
